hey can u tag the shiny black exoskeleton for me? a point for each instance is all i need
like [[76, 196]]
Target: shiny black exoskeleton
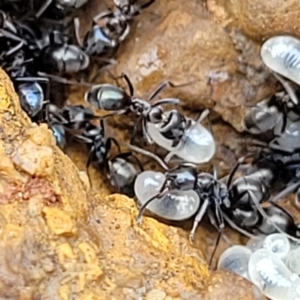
[[31, 98], [31, 94], [110, 97], [59, 134], [122, 172], [60, 57]]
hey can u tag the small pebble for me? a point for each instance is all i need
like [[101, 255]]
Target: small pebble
[[156, 294]]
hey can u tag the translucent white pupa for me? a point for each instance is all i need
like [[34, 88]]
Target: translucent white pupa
[[176, 205], [236, 259], [282, 55], [197, 146], [256, 243], [268, 272], [294, 291], [292, 261], [278, 244]]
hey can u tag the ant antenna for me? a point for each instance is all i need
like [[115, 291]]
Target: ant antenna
[[147, 153]]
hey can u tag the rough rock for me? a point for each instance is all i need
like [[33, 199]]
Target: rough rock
[[218, 288], [61, 241], [183, 43], [258, 19]]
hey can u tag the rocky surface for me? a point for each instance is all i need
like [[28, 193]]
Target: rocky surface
[[258, 19], [230, 288], [60, 240]]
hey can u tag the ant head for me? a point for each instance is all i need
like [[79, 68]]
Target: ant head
[[156, 115]]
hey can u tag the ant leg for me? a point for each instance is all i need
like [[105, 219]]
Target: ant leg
[[216, 247], [203, 115], [257, 143], [264, 215], [62, 80], [221, 233], [234, 170], [169, 156], [15, 49], [119, 112], [138, 162], [43, 8], [147, 4], [237, 228], [31, 79], [166, 101], [276, 146], [147, 153], [149, 140], [214, 224], [135, 128], [127, 80], [179, 145], [109, 61], [124, 34], [102, 15], [297, 198], [163, 86], [111, 139], [159, 90], [81, 139], [124, 155], [162, 192], [90, 158], [287, 86], [202, 210], [290, 189], [129, 84], [77, 32]]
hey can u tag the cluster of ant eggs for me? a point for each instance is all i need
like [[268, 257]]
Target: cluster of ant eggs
[[271, 263]]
